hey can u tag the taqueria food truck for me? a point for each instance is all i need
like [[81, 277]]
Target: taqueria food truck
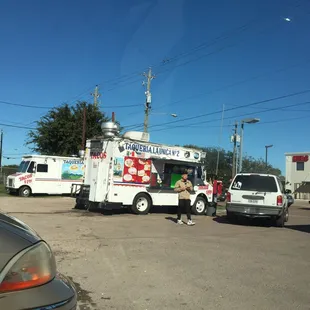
[[44, 174], [130, 171]]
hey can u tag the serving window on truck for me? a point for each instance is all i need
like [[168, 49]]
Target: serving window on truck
[[169, 173]]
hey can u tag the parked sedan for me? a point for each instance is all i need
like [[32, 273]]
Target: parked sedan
[[290, 199], [28, 277]]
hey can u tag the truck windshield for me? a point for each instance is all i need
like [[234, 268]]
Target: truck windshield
[[23, 166]]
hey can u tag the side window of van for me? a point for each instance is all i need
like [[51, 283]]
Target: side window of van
[[42, 168], [30, 168]]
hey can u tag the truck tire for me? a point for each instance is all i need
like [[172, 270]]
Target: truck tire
[[141, 204], [200, 206], [24, 191]]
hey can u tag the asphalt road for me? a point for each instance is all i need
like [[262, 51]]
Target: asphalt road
[[123, 261]]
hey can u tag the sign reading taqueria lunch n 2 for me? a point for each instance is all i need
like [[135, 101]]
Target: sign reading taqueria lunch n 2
[[159, 151]]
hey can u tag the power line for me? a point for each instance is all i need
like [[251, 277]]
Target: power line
[[194, 125], [265, 111], [46, 107], [163, 63], [283, 69], [14, 154], [237, 83], [134, 74], [231, 109], [123, 78], [242, 28], [231, 125], [199, 47], [16, 126], [24, 105]]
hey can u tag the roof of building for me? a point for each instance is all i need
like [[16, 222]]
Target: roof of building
[[297, 153], [304, 188]]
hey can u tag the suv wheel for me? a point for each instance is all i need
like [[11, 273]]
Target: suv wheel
[[279, 222], [286, 215]]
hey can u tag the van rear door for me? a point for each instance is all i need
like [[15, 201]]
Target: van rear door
[[254, 189]]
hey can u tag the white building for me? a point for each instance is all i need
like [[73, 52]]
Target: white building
[[297, 172]]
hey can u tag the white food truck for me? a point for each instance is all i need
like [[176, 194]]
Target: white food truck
[[43, 174], [129, 171]]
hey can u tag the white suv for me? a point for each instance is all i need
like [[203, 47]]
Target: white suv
[[257, 195]]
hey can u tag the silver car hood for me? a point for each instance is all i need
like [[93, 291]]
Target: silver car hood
[[14, 237]]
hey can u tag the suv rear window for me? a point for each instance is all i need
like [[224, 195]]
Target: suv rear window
[[256, 183]]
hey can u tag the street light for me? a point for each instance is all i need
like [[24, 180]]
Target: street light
[[266, 158], [244, 121], [171, 114]]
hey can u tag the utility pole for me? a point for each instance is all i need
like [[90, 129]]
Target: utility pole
[[241, 146], [1, 149], [96, 95], [220, 140], [234, 165], [148, 101], [84, 130], [266, 154]]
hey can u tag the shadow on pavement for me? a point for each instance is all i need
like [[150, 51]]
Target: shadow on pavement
[[155, 210], [172, 219], [301, 228], [307, 209], [242, 221], [164, 209]]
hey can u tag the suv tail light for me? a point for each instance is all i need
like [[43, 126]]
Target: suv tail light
[[32, 267], [228, 197], [279, 200]]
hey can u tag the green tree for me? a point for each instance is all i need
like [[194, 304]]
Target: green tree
[[210, 162], [9, 169], [59, 132], [250, 164]]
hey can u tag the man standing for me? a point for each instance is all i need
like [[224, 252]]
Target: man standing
[[184, 187]]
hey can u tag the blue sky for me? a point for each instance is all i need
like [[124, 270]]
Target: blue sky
[[57, 51]]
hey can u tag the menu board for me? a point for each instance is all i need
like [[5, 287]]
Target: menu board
[[130, 169], [137, 170], [144, 171]]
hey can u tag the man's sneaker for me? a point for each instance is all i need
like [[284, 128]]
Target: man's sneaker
[[180, 222], [191, 223]]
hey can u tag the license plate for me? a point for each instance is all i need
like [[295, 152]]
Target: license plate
[[253, 201]]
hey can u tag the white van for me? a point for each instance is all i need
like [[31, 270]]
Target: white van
[[257, 195], [44, 174]]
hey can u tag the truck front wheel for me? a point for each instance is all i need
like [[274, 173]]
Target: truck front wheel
[[24, 191], [200, 206], [141, 204]]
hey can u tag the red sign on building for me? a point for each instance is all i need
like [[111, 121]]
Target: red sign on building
[[300, 158]]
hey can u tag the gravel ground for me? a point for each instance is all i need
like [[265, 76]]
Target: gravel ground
[[123, 261]]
